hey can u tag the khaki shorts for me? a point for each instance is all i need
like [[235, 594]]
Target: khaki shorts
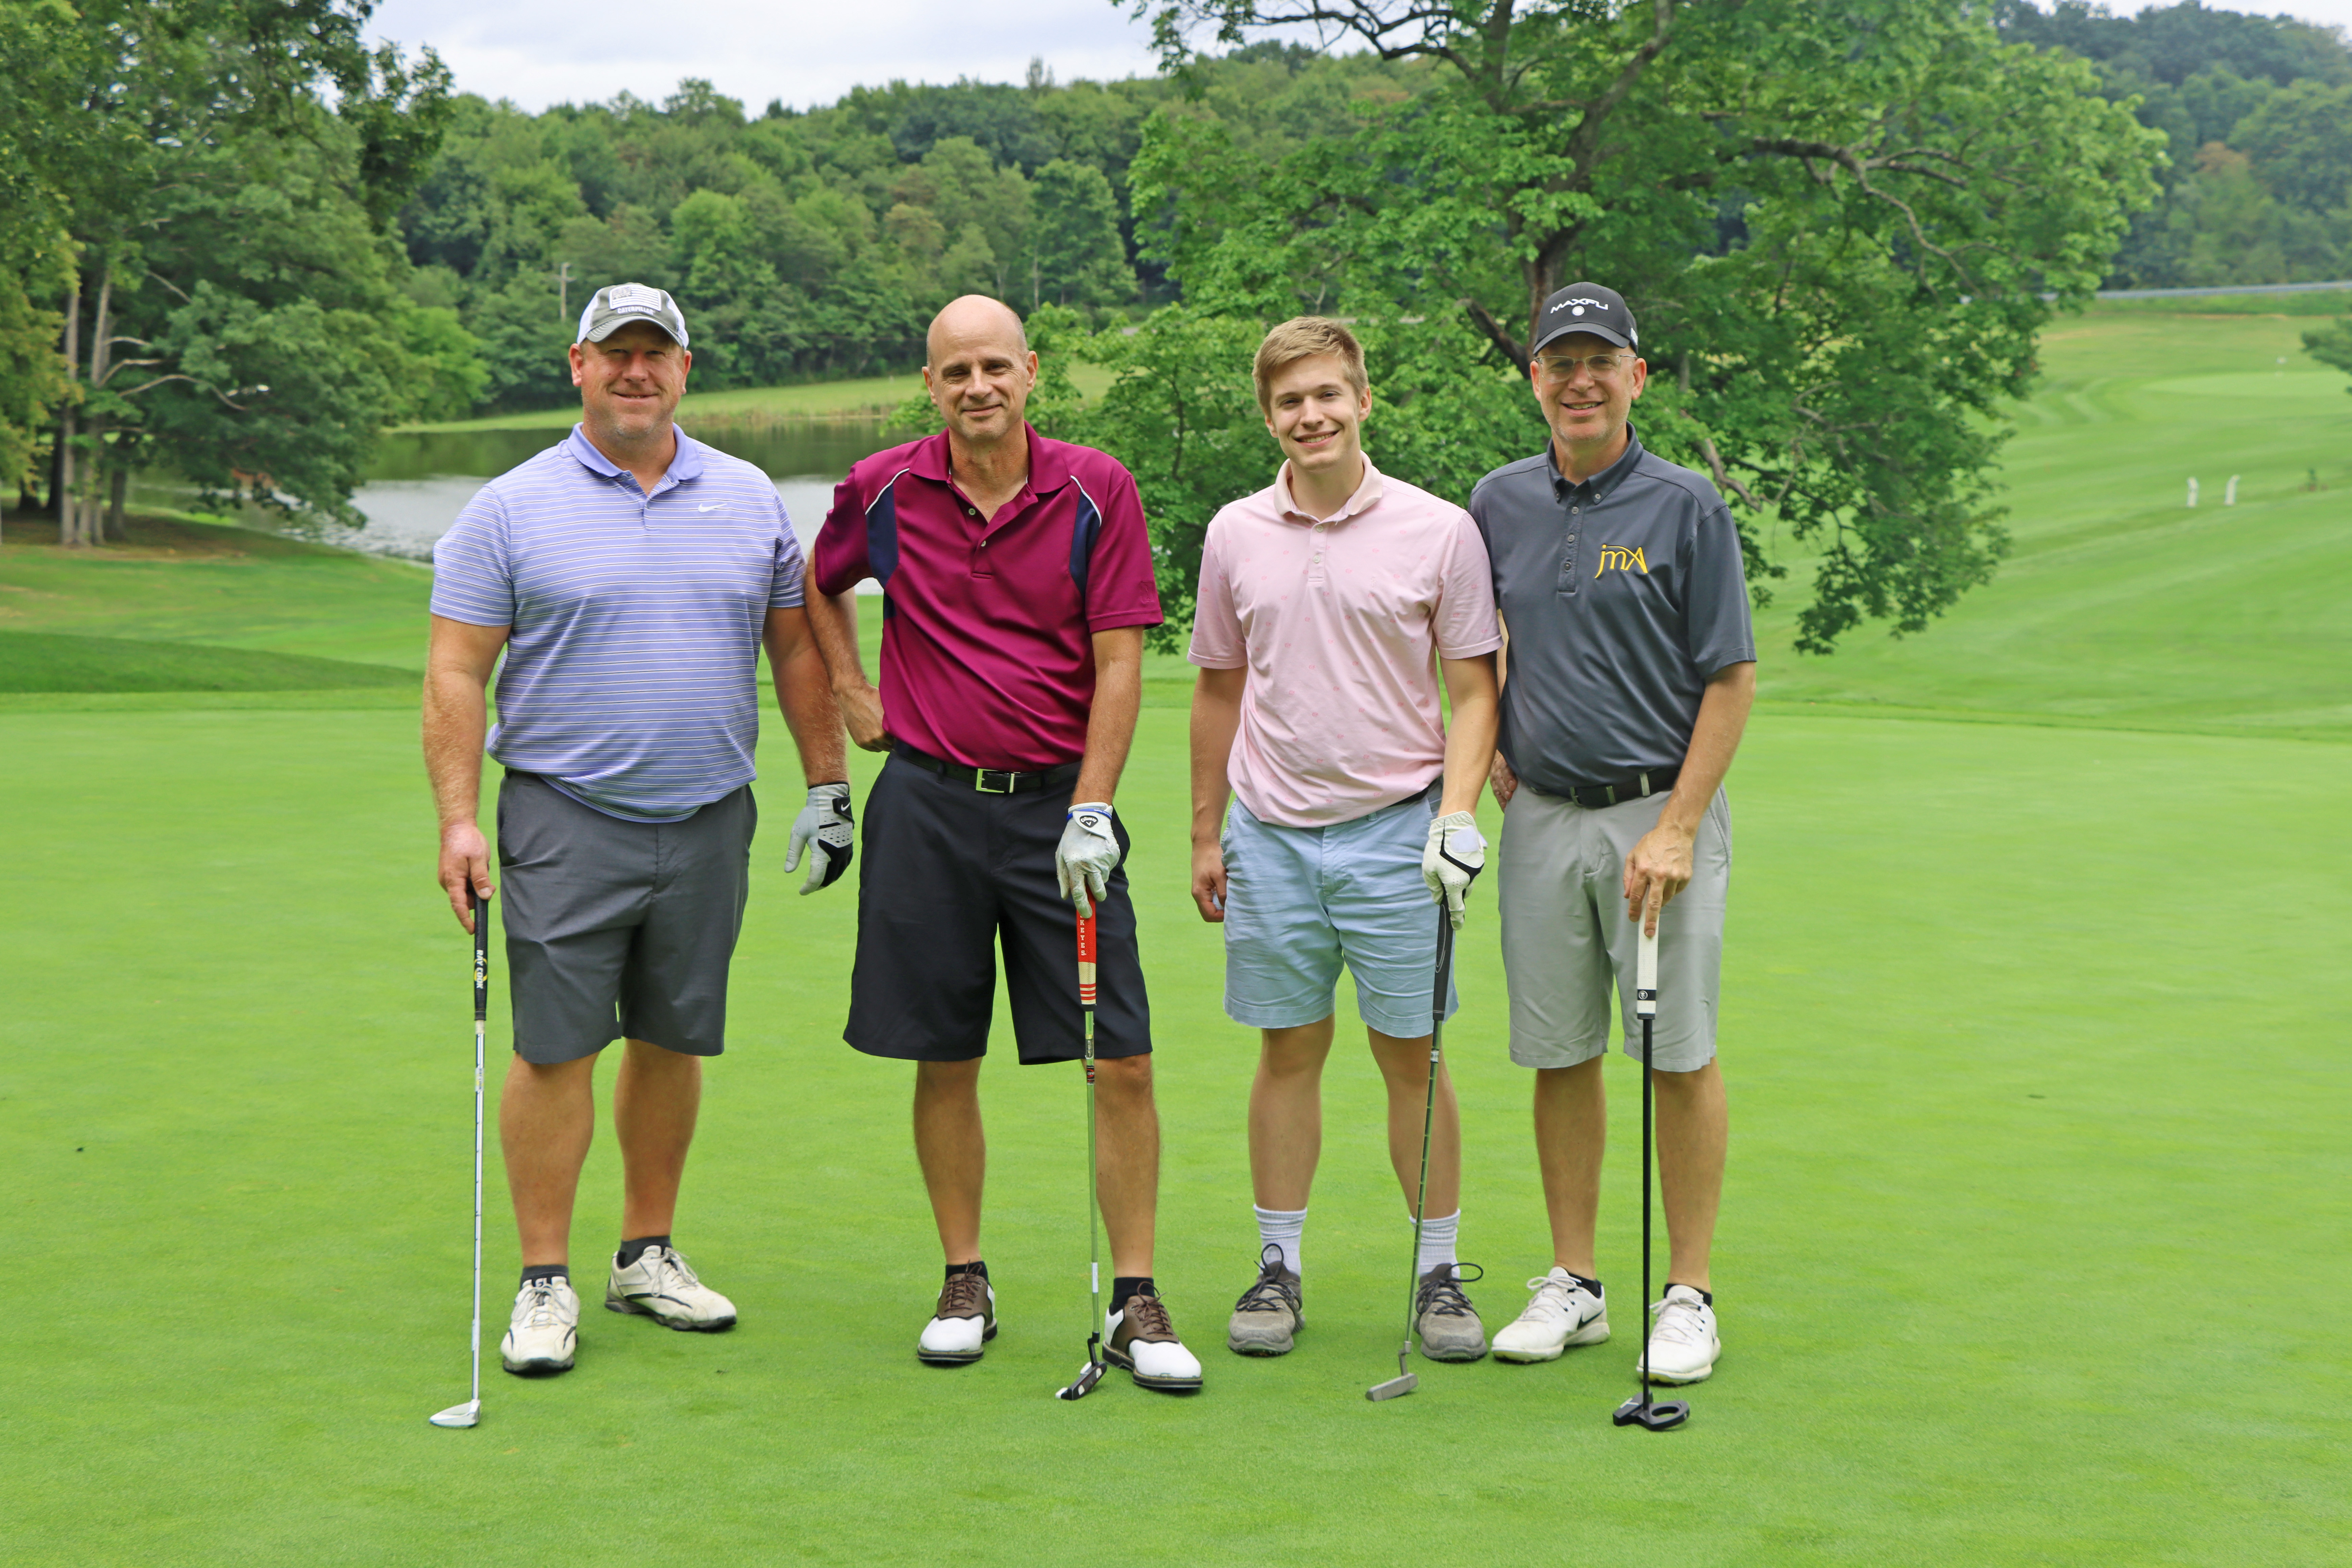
[[1566, 943]]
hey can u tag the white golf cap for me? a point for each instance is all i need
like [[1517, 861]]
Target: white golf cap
[[614, 307]]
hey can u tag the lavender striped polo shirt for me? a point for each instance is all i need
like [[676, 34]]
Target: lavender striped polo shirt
[[630, 674]]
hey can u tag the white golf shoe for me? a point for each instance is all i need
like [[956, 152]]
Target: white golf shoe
[[1683, 1344], [544, 1332], [1140, 1338], [663, 1286], [961, 1324], [1565, 1312]]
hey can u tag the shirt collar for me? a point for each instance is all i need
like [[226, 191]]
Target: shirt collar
[[1049, 461], [1600, 484], [1367, 494], [685, 464]]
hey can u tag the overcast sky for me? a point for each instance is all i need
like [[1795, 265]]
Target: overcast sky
[[539, 52]]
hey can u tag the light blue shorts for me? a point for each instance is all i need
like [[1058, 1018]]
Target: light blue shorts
[[1302, 902]]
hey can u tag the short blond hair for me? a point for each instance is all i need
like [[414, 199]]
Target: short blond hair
[[1305, 337]]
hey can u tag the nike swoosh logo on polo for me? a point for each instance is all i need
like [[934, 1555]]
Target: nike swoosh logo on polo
[[719, 506]]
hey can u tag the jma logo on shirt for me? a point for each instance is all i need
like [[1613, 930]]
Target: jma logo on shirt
[[1622, 558]]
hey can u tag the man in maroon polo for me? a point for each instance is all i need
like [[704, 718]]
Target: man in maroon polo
[[1016, 579]]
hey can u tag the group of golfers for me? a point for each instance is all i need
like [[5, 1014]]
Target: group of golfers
[[620, 585]]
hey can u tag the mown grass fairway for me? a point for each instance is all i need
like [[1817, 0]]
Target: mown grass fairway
[[2032, 1246]]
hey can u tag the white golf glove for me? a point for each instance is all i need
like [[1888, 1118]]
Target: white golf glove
[[1456, 854], [1086, 855], [827, 831]]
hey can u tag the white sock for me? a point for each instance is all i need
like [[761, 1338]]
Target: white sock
[[1280, 1227], [1437, 1234]]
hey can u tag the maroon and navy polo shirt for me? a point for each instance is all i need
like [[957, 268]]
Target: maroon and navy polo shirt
[[988, 627]]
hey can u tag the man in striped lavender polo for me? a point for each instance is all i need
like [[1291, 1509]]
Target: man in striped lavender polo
[[630, 575]]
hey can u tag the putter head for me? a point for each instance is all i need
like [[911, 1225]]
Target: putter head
[[1084, 1384], [1657, 1414], [1403, 1382], [466, 1414]]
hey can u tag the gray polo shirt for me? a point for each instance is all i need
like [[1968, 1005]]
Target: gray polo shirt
[[1622, 596]]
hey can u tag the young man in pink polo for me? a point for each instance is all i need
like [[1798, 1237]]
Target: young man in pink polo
[[1329, 603]]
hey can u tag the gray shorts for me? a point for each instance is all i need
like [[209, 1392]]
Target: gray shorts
[[1566, 943], [619, 928]]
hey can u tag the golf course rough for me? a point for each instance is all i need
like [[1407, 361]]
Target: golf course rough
[[2034, 1003]]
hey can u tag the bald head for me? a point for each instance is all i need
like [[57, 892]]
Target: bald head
[[974, 319], [979, 371]]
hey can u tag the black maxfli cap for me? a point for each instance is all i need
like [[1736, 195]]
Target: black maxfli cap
[[1585, 308]]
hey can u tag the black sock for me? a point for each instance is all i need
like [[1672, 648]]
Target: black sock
[[974, 1267], [1125, 1286], [538, 1273], [632, 1250], [1591, 1285], [1706, 1296]]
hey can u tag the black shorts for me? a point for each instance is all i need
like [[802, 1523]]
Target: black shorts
[[946, 876], [619, 928]]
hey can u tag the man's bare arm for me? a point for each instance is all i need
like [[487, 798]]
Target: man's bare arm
[[1660, 865], [1470, 734], [804, 694], [1110, 725], [1216, 720], [832, 624], [458, 666]]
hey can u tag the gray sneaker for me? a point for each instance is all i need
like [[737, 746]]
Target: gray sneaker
[[1444, 1318], [1269, 1311]]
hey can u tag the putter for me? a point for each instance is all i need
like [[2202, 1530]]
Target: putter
[[1092, 1372], [1405, 1382], [470, 1413], [1664, 1414]]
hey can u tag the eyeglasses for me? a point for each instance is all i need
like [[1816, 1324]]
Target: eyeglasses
[[1560, 367]]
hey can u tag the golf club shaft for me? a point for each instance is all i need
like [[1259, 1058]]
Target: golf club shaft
[[1094, 1208], [482, 1015], [1645, 1003], [1437, 988]]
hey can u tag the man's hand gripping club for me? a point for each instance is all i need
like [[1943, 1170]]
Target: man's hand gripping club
[[1086, 855], [1456, 854]]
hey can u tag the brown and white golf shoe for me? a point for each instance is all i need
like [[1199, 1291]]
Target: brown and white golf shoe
[[961, 1324], [1143, 1341]]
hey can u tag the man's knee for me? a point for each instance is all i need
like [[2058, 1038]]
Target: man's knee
[[947, 1080], [1126, 1077]]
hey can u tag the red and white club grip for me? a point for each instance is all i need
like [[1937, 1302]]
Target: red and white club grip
[[1086, 961], [1645, 975]]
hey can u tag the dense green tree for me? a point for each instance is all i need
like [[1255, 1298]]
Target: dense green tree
[[1077, 256], [1841, 230], [222, 170]]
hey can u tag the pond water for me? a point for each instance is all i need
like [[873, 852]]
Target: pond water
[[422, 481]]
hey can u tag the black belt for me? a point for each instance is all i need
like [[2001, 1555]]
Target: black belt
[[1657, 781], [989, 781]]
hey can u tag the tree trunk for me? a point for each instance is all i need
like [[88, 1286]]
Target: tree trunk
[[69, 498], [118, 482]]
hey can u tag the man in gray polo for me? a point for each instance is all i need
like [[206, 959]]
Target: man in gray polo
[[630, 574], [1631, 668]]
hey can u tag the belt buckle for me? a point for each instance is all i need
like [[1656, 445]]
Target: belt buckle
[[982, 775]]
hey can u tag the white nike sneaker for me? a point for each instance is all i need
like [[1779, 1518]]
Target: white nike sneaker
[[1564, 1312], [662, 1285], [1140, 1338], [544, 1332], [1683, 1344], [961, 1324]]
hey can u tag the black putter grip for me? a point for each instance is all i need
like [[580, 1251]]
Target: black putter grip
[[481, 957]]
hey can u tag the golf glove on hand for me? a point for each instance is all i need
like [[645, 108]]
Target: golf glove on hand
[[827, 833], [1086, 855], [1456, 854]]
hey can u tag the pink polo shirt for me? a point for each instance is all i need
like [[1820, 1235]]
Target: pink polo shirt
[[1341, 622]]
